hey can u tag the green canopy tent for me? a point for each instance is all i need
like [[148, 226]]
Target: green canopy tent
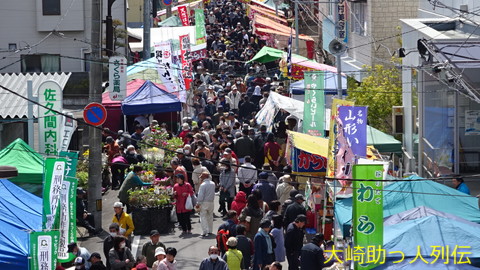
[[267, 54], [28, 162], [383, 142], [173, 21]]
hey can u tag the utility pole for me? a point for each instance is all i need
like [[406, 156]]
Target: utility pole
[[95, 136], [147, 24], [169, 9], [297, 50], [109, 48]]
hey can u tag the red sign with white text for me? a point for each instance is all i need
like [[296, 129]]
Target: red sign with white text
[[183, 14], [185, 55]]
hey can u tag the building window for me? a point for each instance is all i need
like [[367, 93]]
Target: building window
[[41, 63], [51, 7], [86, 62], [359, 23]]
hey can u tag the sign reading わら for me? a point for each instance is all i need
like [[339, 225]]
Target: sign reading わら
[[367, 218], [117, 77], [313, 113], [49, 120], [43, 250], [95, 114]]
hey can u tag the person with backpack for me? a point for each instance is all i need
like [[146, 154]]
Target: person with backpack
[[222, 238], [251, 216], [233, 256], [231, 223]]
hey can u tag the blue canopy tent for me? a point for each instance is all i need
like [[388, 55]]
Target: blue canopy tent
[[428, 232], [298, 87], [405, 195], [148, 99], [20, 212]]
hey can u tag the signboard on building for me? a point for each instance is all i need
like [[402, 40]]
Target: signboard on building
[[341, 27], [117, 77], [472, 122], [49, 119]]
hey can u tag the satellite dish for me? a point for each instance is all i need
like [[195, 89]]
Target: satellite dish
[[336, 47]]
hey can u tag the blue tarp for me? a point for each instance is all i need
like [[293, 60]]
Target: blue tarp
[[405, 195], [149, 98], [298, 87], [20, 212]]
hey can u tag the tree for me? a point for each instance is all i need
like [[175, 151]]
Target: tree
[[380, 90], [119, 35]]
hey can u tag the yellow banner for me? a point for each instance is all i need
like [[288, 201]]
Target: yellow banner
[[333, 131]]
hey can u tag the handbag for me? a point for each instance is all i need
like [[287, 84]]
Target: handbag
[[189, 203]]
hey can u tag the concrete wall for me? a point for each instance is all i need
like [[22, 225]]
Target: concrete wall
[[22, 25]]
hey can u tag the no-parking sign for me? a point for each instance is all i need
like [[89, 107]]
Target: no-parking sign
[[95, 114]]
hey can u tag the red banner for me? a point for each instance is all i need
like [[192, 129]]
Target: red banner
[[183, 14], [185, 55]]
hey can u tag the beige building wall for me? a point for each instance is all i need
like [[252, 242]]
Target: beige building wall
[[135, 11]]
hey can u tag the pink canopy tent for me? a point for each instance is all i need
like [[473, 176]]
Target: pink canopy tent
[[114, 111]]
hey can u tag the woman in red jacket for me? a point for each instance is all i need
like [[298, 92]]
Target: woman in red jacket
[[239, 202], [181, 191]]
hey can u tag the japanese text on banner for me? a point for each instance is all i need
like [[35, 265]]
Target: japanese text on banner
[[43, 250], [49, 121], [314, 105], [354, 120], [163, 54]]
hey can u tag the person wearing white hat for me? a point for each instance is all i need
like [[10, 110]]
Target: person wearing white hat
[[159, 255], [123, 220], [233, 256]]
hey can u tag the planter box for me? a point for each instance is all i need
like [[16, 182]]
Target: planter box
[[147, 219]]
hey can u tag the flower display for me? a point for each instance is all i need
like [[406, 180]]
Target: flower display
[[155, 196]]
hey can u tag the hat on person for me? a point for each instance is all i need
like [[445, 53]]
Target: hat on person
[[232, 242], [179, 151], [141, 266], [299, 197], [94, 255], [159, 251], [109, 139], [263, 175], [79, 261], [185, 126], [154, 232], [118, 205], [71, 246], [286, 178], [265, 223], [181, 176], [301, 218], [231, 113], [154, 122], [228, 150], [210, 86]]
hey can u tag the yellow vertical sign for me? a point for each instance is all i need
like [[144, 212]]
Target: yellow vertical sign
[[332, 134]]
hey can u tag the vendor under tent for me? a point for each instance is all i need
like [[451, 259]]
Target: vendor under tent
[[405, 195], [20, 212], [28, 162], [149, 99]]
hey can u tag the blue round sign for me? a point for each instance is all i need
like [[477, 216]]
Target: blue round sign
[[167, 2], [95, 114]]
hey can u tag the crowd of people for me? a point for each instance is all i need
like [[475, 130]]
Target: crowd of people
[[226, 155]]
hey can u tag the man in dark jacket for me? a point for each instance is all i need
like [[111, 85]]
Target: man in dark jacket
[[263, 246], [294, 241], [267, 189], [113, 230], [294, 210], [245, 245], [230, 224], [96, 261], [289, 201], [244, 146], [187, 163], [312, 257], [149, 247]]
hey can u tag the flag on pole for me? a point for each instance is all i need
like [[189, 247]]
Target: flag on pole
[[289, 54]]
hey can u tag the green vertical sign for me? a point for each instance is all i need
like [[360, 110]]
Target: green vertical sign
[[43, 250], [314, 105], [68, 222], [367, 218], [72, 161], [54, 170], [200, 31]]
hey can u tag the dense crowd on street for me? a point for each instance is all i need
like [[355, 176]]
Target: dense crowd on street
[[226, 156]]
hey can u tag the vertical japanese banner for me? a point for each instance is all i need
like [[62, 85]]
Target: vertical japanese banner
[[54, 170], [367, 218], [117, 70], [72, 161], [182, 91], [183, 14], [314, 105], [185, 52], [43, 249], [68, 126], [200, 31], [163, 54], [49, 120], [332, 134], [68, 222], [289, 54], [354, 121]]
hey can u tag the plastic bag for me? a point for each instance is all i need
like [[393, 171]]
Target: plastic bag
[[173, 215], [189, 203]]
